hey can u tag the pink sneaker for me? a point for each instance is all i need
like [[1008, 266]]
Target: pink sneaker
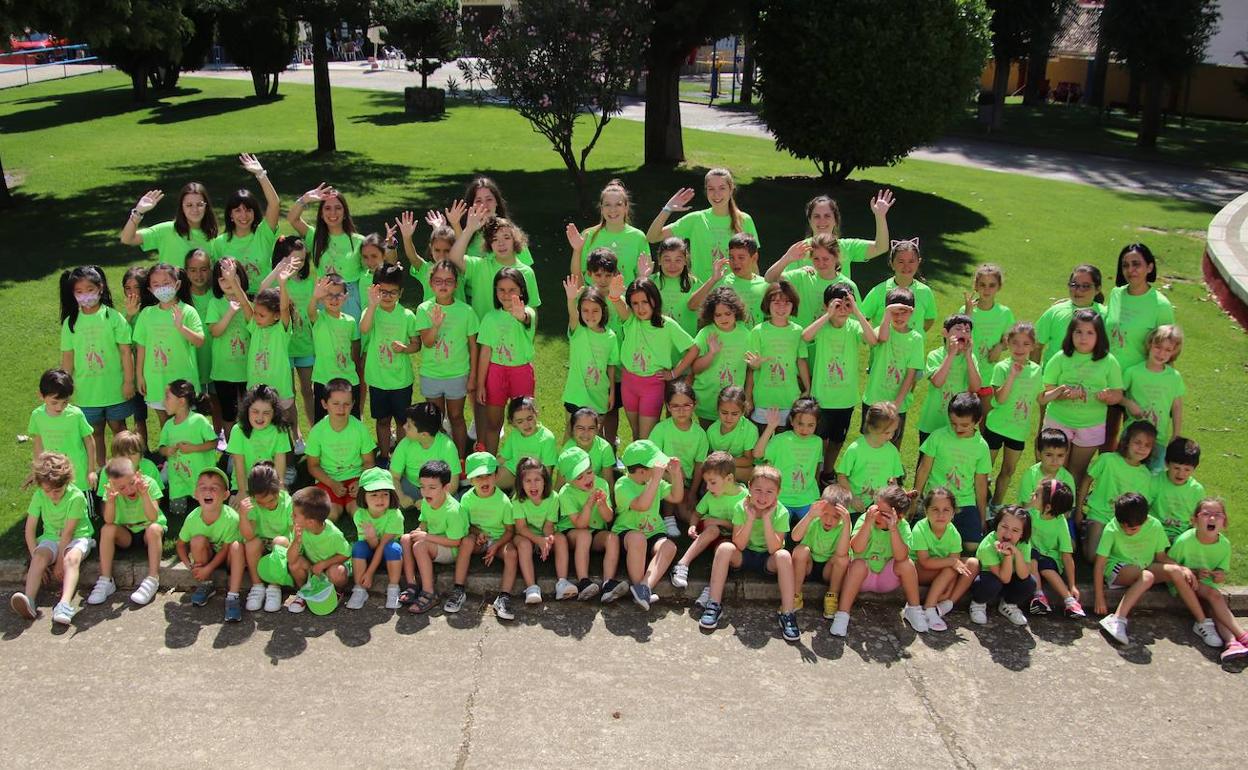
[[1233, 651]]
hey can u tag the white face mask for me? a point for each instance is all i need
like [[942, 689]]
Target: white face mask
[[165, 293], [87, 301]]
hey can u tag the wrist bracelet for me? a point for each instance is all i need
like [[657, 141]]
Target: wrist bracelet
[[261, 174], [668, 209], [136, 214]]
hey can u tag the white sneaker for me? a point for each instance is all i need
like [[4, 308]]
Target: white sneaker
[[979, 613], [272, 598], [680, 576], [934, 621], [944, 607], [104, 588], [359, 595], [255, 598], [472, 431], [1116, 627], [565, 589], [703, 599], [840, 624], [146, 591], [63, 613], [533, 594], [1012, 613], [914, 615], [392, 596], [673, 529], [1207, 630], [221, 442]]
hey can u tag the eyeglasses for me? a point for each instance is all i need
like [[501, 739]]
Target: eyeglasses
[[443, 281], [388, 292], [336, 295], [1080, 286]]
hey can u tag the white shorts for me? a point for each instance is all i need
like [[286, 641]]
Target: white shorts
[[445, 555], [84, 544]]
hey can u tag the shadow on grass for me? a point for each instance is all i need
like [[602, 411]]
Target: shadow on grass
[[167, 114], [84, 106], [391, 110]]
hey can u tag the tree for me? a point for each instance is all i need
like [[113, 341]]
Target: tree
[[142, 38], [899, 72], [1021, 29], [424, 30], [559, 60], [1044, 22], [322, 15], [1160, 40], [260, 37]]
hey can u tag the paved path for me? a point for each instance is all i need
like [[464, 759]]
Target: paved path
[[578, 686], [1172, 181]]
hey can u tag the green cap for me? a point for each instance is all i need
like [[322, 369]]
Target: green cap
[[273, 568], [643, 452], [214, 470], [320, 595], [375, 479], [479, 464], [573, 462]]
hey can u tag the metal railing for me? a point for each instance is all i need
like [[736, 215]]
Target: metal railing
[[39, 59]]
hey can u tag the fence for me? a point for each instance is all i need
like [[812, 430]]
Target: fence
[[19, 68]]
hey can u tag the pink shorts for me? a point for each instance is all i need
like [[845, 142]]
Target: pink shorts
[[883, 582], [642, 395], [1080, 437], [503, 383]]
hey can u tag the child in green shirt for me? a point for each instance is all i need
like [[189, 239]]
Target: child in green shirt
[[732, 433], [1131, 554], [261, 435], [527, 437], [188, 442], [1202, 555], [823, 546], [491, 518], [593, 350], [378, 527], [1016, 385], [712, 518], [797, 454], [1153, 389], [992, 320], [585, 428], [897, 361], [390, 337], [59, 426], [585, 516], [423, 441], [737, 272], [1052, 550], [1053, 446], [536, 512], [778, 372], [210, 538], [1112, 474], [952, 368], [872, 461], [317, 547], [1175, 492], [335, 343], [448, 366], [957, 457], [504, 354], [640, 525], [601, 269], [681, 436], [339, 449], [1003, 564], [936, 549], [442, 532], [718, 356], [265, 521], [132, 516]]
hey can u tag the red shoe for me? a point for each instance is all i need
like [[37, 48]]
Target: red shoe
[[1074, 609]]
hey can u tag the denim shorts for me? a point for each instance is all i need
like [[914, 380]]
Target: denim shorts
[[115, 413], [302, 362]]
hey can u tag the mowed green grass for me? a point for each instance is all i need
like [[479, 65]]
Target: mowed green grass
[[84, 153]]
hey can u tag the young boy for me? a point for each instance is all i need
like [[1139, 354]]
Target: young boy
[[1130, 555], [952, 368], [585, 517], [712, 518], [1202, 555], [335, 342], [639, 522], [378, 527], [389, 338], [132, 516], [759, 524], [66, 539], [59, 426], [423, 442], [317, 547], [896, 361], [1052, 445], [741, 276], [957, 457], [491, 528], [602, 267], [339, 448], [443, 530], [209, 538], [265, 520], [823, 534], [1175, 492]]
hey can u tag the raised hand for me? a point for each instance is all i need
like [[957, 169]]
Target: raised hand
[[882, 201], [575, 239], [477, 217], [250, 164], [680, 201], [719, 269], [797, 251], [433, 218], [391, 229], [572, 286], [713, 343], [645, 267], [148, 201], [617, 285], [436, 315], [177, 314], [319, 193], [455, 214], [374, 295]]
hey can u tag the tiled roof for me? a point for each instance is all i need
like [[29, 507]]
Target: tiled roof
[[1077, 36]]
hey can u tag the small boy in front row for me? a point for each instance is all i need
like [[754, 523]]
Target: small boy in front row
[[443, 530], [317, 547], [210, 538], [1130, 555], [1202, 555], [492, 526]]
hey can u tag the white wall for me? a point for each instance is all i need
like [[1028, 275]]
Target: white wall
[[1231, 35]]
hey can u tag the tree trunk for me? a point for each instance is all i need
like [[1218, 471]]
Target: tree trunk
[[1037, 66], [1095, 92], [1000, 84], [320, 89], [747, 71], [138, 84], [1133, 94], [273, 85], [1150, 123], [424, 75], [664, 145], [834, 172], [6, 197], [259, 83]]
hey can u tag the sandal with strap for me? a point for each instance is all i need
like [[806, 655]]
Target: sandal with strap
[[408, 595], [423, 603]]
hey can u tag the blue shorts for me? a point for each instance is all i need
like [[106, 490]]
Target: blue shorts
[[755, 561], [389, 403], [967, 522], [391, 552], [796, 512], [452, 388], [115, 413], [302, 362]]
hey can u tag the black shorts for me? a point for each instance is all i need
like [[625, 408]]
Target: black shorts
[[756, 562], [1044, 562], [389, 403], [995, 440], [834, 424]]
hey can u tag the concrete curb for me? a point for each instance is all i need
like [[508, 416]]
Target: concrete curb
[[1226, 244], [128, 574]]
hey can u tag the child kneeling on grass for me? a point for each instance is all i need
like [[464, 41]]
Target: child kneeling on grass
[[378, 527], [209, 538], [1202, 555], [443, 530], [759, 523]]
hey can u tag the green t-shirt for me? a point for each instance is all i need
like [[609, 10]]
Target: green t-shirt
[[263, 444], [535, 515], [1112, 477], [989, 327], [650, 521], [989, 556], [1053, 323], [923, 538], [409, 456], [676, 300], [341, 452], [1034, 475], [874, 304], [956, 462], [1012, 419], [64, 433], [449, 521], [891, 361], [627, 245], [601, 453], [95, 342], [168, 355], [276, 522], [331, 341], [169, 245], [721, 506], [834, 375], [203, 353], [1195, 555], [751, 291], [758, 532], [55, 516], [128, 511], [492, 515], [590, 354], [852, 250], [822, 541], [1173, 504], [1129, 319], [1051, 537], [229, 351], [879, 550], [775, 381], [183, 468], [1094, 376], [300, 293], [645, 348], [708, 236], [325, 545], [798, 459], [221, 531], [1155, 393], [728, 367], [341, 256], [1139, 550], [383, 367], [479, 278], [869, 469], [572, 500], [540, 444], [254, 251], [510, 342], [390, 522], [810, 286], [268, 358], [689, 446], [935, 412], [736, 442], [448, 356]]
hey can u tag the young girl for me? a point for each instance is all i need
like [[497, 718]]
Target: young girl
[[448, 333], [797, 454], [378, 527], [612, 232], [824, 216], [1201, 557], [132, 517], [268, 349], [334, 244], [340, 449], [482, 193], [167, 335], [57, 514], [96, 351], [193, 226], [811, 281], [1080, 383], [776, 356], [706, 230], [676, 284], [1154, 389], [536, 510], [823, 538], [292, 271], [335, 342], [733, 434], [1114, 473], [872, 461], [896, 361], [504, 242], [229, 318], [719, 359], [250, 232], [681, 436], [187, 440], [1052, 550], [593, 351], [738, 272], [992, 320], [651, 351], [585, 517], [505, 353], [261, 435], [1003, 564], [1016, 382], [585, 428], [527, 437], [936, 548], [134, 284], [265, 520], [198, 273], [390, 337], [906, 263], [1084, 286], [441, 240], [375, 251]]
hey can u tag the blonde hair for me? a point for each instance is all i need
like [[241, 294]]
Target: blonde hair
[[882, 413], [766, 472], [51, 468], [828, 242], [835, 494], [127, 443], [734, 213], [1166, 333]]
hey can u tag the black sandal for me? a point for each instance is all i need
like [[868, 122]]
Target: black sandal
[[408, 595], [424, 602]]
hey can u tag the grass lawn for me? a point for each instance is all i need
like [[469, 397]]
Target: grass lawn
[[85, 153], [1205, 143], [699, 90]]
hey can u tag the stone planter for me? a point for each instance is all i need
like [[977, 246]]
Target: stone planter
[[424, 102]]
